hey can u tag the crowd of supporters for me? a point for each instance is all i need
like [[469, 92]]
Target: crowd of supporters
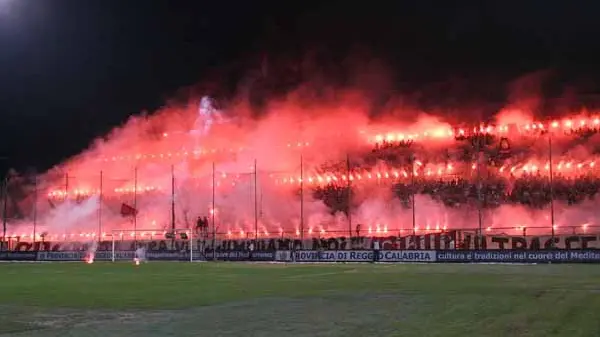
[[534, 191]]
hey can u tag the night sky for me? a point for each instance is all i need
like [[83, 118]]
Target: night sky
[[70, 70]]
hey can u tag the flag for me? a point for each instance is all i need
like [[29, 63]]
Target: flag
[[127, 210]]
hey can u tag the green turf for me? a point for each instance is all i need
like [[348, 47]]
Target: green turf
[[227, 299]]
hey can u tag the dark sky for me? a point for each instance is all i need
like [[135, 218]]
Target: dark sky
[[72, 69]]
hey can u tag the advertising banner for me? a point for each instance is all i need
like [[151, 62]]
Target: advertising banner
[[241, 255], [441, 256], [511, 256], [107, 256], [155, 256], [61, 256], [76, 256], [18, 256], [361, 256]]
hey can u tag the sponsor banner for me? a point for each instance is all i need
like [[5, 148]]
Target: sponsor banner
[[241, 255], [18, 256], [79, 256], [361, 256], [157, 256], [510, 256], [61, 256], [283, 255], [107, 256], [166, 256]]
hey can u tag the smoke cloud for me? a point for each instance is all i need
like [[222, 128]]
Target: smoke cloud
[[297, 141]]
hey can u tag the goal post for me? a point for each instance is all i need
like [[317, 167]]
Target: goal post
[[148, 235]]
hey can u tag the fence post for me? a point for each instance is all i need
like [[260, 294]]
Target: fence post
[[100, 200], [35, 197], [255, 204], [212, 214], [135, 212], [301, 198], [412, 194], [349, 202], [551, 187], [4, 210]]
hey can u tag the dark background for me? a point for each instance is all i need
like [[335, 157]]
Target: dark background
[[71, 70]]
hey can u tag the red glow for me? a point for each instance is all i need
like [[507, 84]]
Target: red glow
[[89, 259], [136, 160]]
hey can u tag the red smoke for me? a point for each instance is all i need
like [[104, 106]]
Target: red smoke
[[128, 174]]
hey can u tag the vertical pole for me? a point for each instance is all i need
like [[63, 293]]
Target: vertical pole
[[412, 194], [100, 197], [212, 215], [35, 197], [349, 203], [66, 186], [191, 246], [135, 178], [301, 199], [255, 205], [4, 209], [173, 198], [479, 197], [551, 187], [113, 246]]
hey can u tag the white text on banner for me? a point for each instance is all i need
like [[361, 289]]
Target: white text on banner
[[364, 256]]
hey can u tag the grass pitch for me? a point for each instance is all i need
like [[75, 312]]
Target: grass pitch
[[229, 299]]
